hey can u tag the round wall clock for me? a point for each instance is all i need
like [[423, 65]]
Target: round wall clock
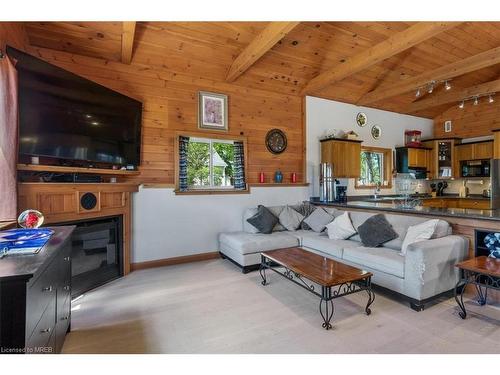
[[276, 141], [361, 119], [376, 132]]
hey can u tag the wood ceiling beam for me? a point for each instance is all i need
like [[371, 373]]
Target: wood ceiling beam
[[128, 34], [458, 68], [262, 43], [455, 96], [393, 45]]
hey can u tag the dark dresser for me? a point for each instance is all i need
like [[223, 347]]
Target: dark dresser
[[35, 297]]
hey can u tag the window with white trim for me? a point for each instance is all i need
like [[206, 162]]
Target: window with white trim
[[210, 163]]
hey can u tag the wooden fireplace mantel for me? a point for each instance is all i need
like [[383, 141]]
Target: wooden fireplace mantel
[[60, 202]]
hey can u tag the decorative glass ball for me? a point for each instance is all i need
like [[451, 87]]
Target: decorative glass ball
[[30, 219]]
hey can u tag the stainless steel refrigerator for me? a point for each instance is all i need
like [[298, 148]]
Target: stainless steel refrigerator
[[495, 184]]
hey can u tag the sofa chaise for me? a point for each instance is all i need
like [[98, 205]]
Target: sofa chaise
[[424, 272]]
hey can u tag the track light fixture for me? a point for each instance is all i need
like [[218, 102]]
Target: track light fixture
[[475, 99], [431, 87]]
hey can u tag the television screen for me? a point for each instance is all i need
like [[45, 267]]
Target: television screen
[[65, 116]]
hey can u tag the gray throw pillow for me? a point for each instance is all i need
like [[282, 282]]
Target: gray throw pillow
[[305, 209], [318, 219], [290, 218], [375, 231], [263, 220], [276, 211]]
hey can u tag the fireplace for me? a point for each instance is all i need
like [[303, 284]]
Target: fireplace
[[97, 250]]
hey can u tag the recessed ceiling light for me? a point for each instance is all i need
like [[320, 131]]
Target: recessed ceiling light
[[94, 123]]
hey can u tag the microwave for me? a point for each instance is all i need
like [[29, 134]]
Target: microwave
[[475, 168]]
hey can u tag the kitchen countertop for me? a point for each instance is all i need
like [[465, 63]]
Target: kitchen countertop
[[419, 196], [465, 213]]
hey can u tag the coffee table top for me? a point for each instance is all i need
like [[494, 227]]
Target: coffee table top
[[482, 264], [321, 270]]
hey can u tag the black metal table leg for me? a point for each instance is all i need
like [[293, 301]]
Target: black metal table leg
[[371, 296], [262, 269], [327, 311], [481, 298], [460, 301]]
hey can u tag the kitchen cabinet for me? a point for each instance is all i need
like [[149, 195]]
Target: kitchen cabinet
[[464, 152], [442, 160], [474, 151], [480, 204], [418, 158], [482, 150], [344, 155]]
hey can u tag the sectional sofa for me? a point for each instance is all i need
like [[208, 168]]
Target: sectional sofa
[[425, 271]]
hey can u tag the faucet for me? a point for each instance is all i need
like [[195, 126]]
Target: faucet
[[377, 190]]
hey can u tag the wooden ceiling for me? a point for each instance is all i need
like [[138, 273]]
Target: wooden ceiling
[[380, 57]]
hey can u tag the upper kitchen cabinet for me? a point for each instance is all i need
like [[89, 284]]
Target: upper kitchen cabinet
[[344, 155], [474, 151], [442, 161]]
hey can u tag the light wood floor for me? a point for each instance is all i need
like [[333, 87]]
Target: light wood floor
[[211, 307]]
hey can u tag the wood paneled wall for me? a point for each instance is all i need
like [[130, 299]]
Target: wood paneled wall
[[167, 82], [13, 33], [471, 121]]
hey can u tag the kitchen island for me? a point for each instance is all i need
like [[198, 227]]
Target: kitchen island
[[462, 220]]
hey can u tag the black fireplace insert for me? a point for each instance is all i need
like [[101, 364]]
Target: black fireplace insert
[[96, 256]]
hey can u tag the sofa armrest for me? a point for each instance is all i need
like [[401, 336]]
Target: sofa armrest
[[430, 265]]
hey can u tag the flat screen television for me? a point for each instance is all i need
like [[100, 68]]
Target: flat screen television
[[75, 120]]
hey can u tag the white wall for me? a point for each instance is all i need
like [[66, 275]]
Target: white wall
[[166, 225], [322, 116]]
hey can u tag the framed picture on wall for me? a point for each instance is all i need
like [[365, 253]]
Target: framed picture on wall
[[212, 111]]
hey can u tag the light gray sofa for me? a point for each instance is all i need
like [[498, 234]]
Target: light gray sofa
[[426, 271]]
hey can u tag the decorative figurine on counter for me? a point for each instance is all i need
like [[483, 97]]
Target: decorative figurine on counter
[[278, 177]]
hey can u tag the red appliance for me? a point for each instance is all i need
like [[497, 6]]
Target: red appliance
[[413, 138]]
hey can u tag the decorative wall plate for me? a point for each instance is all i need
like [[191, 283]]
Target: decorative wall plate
[[276, 141], [376, 131], [361, 119]]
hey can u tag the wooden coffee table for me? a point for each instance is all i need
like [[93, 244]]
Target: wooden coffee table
[[482, 272], [335, 279]]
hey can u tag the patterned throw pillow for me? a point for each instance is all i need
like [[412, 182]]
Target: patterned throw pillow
[[492, 243], [290, 218], [318, 219], [305, 209]]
